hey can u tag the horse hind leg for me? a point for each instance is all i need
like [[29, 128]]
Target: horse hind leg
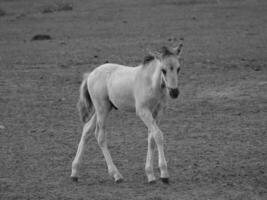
[[87, 129], [102, 142]]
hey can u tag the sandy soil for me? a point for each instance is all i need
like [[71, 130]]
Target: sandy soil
[[215, 132]]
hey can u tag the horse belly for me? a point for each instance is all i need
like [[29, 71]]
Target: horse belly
[[121, 92]]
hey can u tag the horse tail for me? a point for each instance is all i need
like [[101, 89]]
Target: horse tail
[[85, 105]]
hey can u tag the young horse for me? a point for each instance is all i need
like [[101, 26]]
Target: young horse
[[142, 89]]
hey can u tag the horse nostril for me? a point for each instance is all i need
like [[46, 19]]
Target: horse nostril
[[174, 92]]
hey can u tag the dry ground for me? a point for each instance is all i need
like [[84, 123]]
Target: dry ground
[[215, 131]]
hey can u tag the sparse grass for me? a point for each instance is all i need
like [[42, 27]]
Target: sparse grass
[[57, 8]]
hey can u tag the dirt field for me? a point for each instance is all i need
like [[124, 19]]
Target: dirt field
[[215, 132]]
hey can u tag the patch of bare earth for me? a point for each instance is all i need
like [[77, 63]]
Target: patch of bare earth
[[215, 132]]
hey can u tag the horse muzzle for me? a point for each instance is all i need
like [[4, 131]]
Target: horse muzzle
[[174, 92]]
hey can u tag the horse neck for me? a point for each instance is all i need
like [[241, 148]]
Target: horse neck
[[155, 73]]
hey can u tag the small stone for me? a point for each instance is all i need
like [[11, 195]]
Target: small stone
[[2, 127], [256, 68], [62, 99], [41, 37]]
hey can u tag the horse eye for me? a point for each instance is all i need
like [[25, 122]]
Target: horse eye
[[178, 70], [164, 71]]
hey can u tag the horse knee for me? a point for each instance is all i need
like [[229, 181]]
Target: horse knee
[[158, 136], [153, 145], [87, 129], [151, 142], [101, 139], [85, 137], [101, 142]]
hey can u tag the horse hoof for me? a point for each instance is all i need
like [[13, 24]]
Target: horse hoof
[[152, 182], [165, 180], [119, 180], [74, 179]]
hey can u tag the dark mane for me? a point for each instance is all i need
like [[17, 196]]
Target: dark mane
[[148, 59], [165, 52], [162, 52]]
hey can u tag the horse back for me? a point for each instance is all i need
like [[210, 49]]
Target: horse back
[[115, 83]]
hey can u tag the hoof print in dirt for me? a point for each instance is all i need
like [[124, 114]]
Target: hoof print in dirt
[[2, 13], [74, 179], [165, 180], [172, 39], [256, 68], [41, 37]]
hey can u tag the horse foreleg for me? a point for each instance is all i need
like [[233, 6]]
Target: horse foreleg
[[164, 175], [151, 124], [87, 128], [149, 158]]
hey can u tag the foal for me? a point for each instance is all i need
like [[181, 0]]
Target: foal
[[142, 89]]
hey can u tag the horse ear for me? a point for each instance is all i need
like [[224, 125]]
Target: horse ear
[[178, 50]]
